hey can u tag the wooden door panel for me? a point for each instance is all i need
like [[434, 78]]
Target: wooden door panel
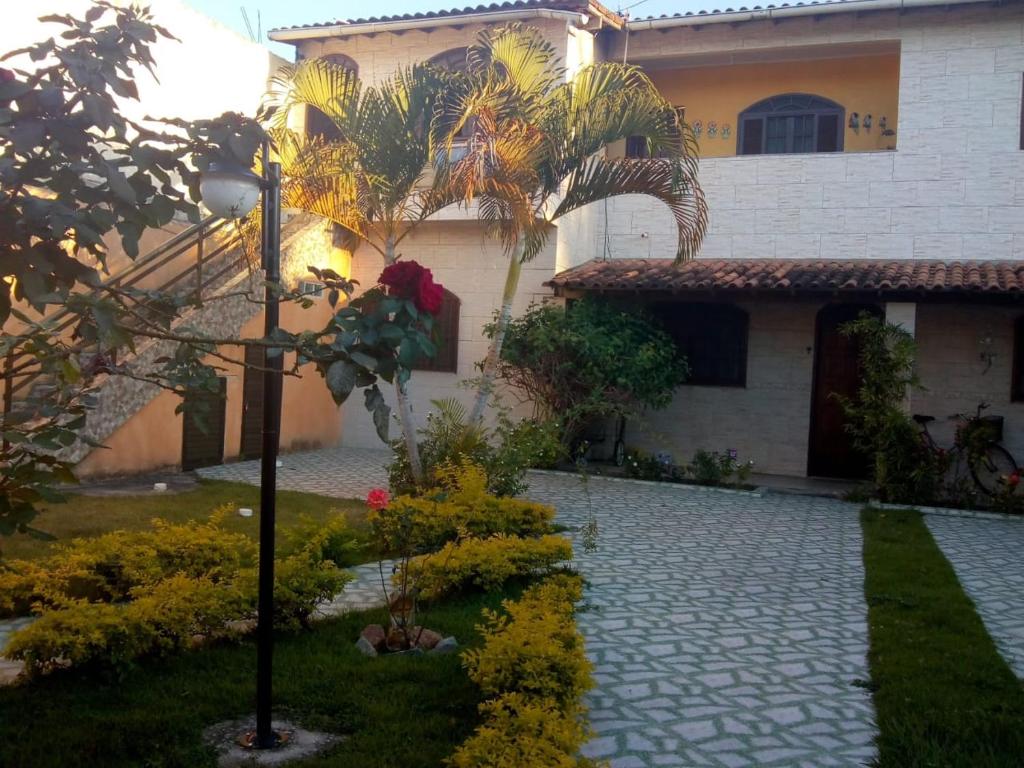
[[836, 371], [202, 440]]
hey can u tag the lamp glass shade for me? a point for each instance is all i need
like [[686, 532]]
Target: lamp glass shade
[[229, 193]]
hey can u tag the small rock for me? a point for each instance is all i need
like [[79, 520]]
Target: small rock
[[427, 639], [366, 646], [396, 640], [375, 635], [448, 645]]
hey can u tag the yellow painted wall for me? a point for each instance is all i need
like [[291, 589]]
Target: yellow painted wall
[[152, 438], [865, 84]]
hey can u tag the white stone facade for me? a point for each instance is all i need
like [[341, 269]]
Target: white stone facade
[[954, 187]]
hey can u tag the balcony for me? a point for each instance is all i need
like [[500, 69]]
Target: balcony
[[792, 100]]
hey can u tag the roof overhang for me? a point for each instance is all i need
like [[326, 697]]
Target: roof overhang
[[787, 10], [585, 13], [900, 279]]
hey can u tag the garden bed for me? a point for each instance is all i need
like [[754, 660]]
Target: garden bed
[[409, 711]]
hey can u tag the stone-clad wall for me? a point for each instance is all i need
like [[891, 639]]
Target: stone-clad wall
[[472, 266], [954, 187]]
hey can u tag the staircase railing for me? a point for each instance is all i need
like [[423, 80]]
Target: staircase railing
[[209, 239]]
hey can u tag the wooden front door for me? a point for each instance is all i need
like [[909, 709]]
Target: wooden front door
[[836, 370], [252, 404], [202, 439]]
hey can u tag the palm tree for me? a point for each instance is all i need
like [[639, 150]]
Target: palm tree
[[536, 151], [373, 175]]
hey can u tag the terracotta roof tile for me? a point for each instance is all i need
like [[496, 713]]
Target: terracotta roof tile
[[797, 275], [512, 5]]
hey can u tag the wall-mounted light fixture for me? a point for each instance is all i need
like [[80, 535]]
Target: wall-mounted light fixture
[[867, 122], [987, 354], [854, 121], [712, 129], [698, 128], [726, 131]]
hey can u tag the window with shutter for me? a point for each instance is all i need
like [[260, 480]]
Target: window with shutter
[[790, 123], [319, 124], [712, 338], [446, 337]]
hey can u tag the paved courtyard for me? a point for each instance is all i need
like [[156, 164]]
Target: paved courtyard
[[727, 629]]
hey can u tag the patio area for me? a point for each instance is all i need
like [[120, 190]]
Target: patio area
[[727, 629]]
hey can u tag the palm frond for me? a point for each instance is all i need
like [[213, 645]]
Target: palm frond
[[329, 87], [666, 180]]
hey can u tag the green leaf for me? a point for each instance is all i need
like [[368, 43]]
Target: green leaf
[[341, 379], [365, 360]]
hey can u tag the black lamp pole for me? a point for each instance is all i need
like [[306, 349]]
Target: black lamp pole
[[272, 379]]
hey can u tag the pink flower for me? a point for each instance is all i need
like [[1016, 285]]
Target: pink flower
[[378, 499]]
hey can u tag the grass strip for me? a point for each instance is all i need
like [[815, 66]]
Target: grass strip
[[89, 516], [943, 694]]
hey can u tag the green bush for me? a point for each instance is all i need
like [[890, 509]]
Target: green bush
[[504, 452], [592, 360], [108, 568], [461, 506], [102, 604], [645, 466], [523, 732], [719, 469], [534, 669], [484, 563], [903, 469], [534, 648], [162, 618]]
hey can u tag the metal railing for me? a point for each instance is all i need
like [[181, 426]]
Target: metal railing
[[204, 269]]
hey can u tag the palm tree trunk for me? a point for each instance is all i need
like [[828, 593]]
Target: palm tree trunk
[[402, 394], [490, 371]]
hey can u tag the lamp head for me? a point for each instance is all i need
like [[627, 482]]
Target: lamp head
[[229, 191]]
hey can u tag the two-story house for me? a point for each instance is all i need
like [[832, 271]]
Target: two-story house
[[862, 155]]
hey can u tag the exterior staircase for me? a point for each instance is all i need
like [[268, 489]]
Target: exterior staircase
[[205, 261]]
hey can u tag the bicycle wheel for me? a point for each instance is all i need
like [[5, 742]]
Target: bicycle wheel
[[992, 468]]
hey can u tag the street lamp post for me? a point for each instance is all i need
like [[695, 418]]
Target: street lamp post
[[231, 193]]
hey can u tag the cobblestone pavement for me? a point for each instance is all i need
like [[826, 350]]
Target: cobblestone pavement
[[345, 473], [986, 555], [726, 629]]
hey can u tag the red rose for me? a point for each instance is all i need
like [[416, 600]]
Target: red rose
[[429, 294], [402, 278], [378, 499], [1013, 480]]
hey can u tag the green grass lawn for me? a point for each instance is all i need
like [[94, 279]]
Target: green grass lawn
[[85, 516], [395, 712], [944, 695]]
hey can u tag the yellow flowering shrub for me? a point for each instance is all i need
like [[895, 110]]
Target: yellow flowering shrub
[[107, 568], [134, 609], [532, 665], [161, 618], [484, 563], [534, 648], [460, 506], [523, 732]]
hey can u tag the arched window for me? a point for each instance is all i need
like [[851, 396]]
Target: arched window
[[792, 122], [454, 60], [712, 338], [445, 336], [317, 123]]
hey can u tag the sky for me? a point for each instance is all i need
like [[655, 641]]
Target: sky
[[286, 13]]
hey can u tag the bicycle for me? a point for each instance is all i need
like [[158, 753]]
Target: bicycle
[[977, 440]]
